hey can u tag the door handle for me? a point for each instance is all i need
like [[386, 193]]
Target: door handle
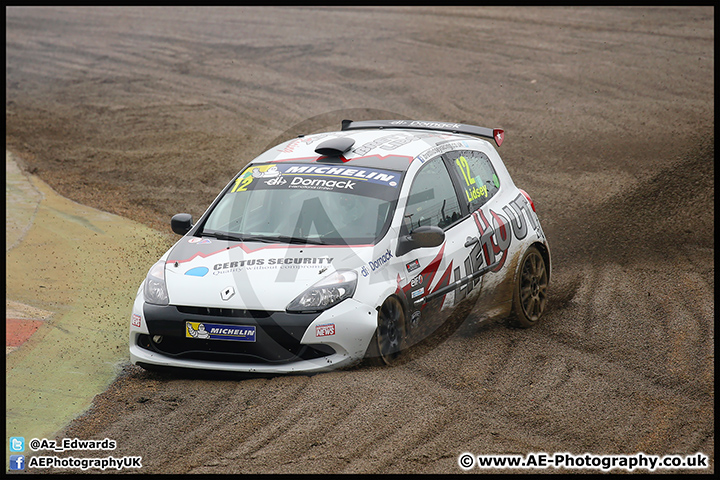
[[471, 241]]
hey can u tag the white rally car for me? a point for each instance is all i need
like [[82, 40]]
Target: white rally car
[[335, 247]]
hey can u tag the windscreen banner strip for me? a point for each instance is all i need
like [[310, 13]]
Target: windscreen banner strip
[[364, 181]]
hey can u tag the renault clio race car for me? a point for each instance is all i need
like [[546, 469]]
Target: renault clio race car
[[336, 247]]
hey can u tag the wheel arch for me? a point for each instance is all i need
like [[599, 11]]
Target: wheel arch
[[545, 253], [400, 295]]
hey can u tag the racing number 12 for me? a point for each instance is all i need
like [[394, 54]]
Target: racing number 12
[[465, 170], [245, 182]]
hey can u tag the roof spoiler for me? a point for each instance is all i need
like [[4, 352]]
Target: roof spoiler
[[496, 134]]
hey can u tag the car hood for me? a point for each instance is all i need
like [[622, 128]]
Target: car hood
[[251, 275]]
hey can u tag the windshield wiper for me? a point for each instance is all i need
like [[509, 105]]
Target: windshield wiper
[[285, 239], [223, 236], [299, 240], [263, 238]]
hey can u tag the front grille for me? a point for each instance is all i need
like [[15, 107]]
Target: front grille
[[223, 312]]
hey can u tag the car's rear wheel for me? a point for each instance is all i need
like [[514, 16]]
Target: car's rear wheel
[[530, 293], [390, 336]]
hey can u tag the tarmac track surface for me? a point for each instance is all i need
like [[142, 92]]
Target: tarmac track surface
[[609, 122]]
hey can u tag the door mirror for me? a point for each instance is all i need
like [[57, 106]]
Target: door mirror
[[421, 237], [181, 223]]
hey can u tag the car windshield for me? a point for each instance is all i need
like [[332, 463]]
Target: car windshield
[[306, 203]]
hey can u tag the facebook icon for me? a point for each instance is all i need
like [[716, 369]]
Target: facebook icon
[[17, 462]]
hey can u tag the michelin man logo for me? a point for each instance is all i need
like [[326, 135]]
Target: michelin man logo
[[271, 172], [199, 333]]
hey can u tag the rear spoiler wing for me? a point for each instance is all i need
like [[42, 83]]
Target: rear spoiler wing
[[496, 134]]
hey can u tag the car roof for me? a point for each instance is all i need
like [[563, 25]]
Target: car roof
[[388, 144]]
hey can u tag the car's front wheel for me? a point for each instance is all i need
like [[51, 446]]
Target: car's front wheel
[[530, 292], [391, 334]]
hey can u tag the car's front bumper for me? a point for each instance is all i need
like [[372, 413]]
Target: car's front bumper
[[284, 342]]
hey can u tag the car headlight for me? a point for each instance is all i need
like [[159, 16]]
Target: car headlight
[[328, 292], [155, 290]]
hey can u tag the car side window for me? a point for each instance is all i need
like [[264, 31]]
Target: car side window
[[477, 177], [432, 199]]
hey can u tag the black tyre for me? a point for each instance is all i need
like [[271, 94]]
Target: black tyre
[[530, 292], [390, 336]]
